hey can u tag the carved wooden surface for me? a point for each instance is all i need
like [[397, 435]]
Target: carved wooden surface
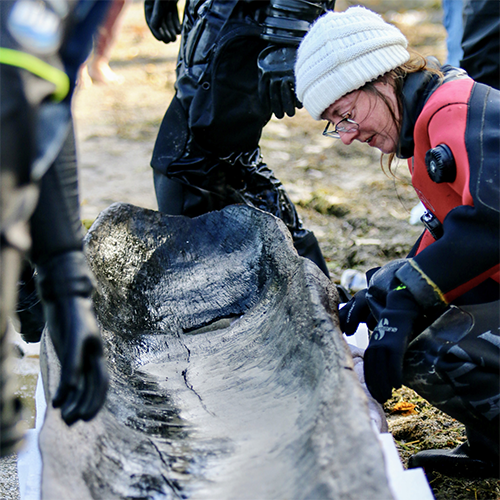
[[229, 376]]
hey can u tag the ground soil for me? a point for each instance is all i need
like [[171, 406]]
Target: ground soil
[[359, 214]]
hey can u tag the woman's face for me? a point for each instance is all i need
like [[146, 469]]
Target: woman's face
[[377, 126]]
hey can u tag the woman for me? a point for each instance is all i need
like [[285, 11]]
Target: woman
[[436, 312]]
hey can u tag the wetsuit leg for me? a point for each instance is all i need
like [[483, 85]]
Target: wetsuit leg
[[55, 225], [246, 180], [17, 201], [169, 194], [207, 145], [175, 197], [263, 190], [455, 365], [55, 229]]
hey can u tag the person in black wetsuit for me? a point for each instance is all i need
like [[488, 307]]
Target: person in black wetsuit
[[234, 70], [42, 45]]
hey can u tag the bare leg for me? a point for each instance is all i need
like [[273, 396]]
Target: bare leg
[[98, 65]]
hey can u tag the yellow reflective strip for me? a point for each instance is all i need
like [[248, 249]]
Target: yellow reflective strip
[[431, 283], [39, 68]]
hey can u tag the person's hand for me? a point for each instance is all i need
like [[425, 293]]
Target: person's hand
[[354, 312], [65, 287], [380, 281], [162, 17], [367, 305], [75, 335], [277, 82], [383, 360]]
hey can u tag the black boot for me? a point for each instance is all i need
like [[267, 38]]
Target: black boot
[[476, 458], [307, 246], [237, 179]]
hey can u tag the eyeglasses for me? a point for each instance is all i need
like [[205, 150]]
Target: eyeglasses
[[345, 125]]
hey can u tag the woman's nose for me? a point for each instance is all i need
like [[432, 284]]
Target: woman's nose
[[348, 137]]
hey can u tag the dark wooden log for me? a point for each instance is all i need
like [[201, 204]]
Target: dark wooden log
[[230, 378]]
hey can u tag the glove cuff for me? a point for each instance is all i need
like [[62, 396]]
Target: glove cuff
[[288, 21], [424, 291], [380, 283]]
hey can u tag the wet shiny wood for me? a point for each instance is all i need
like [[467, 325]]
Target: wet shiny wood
[[229, 376]]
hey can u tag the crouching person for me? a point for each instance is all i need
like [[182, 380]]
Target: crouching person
[[435, 316]]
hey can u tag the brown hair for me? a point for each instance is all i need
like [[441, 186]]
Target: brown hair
[[396, 78]]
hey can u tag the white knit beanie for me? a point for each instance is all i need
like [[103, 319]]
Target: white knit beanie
[[343, 51]]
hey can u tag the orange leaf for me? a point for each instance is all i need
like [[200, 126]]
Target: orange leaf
[[404, 408]]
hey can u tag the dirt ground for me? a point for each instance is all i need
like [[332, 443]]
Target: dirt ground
[[359, 214]]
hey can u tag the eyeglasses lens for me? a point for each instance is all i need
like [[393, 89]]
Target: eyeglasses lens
[[345, 125]]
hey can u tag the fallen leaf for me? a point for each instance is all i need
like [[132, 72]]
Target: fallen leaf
[[404, 408]]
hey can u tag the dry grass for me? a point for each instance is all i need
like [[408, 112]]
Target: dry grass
[[429, 428]]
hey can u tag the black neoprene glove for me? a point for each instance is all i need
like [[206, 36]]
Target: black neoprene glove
[[162, 18], [380, 282], [277, 81], [366, 305], [65, 287], [354, 312], [383, 359]]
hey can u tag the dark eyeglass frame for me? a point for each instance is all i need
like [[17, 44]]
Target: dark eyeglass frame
[[341, 126]]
